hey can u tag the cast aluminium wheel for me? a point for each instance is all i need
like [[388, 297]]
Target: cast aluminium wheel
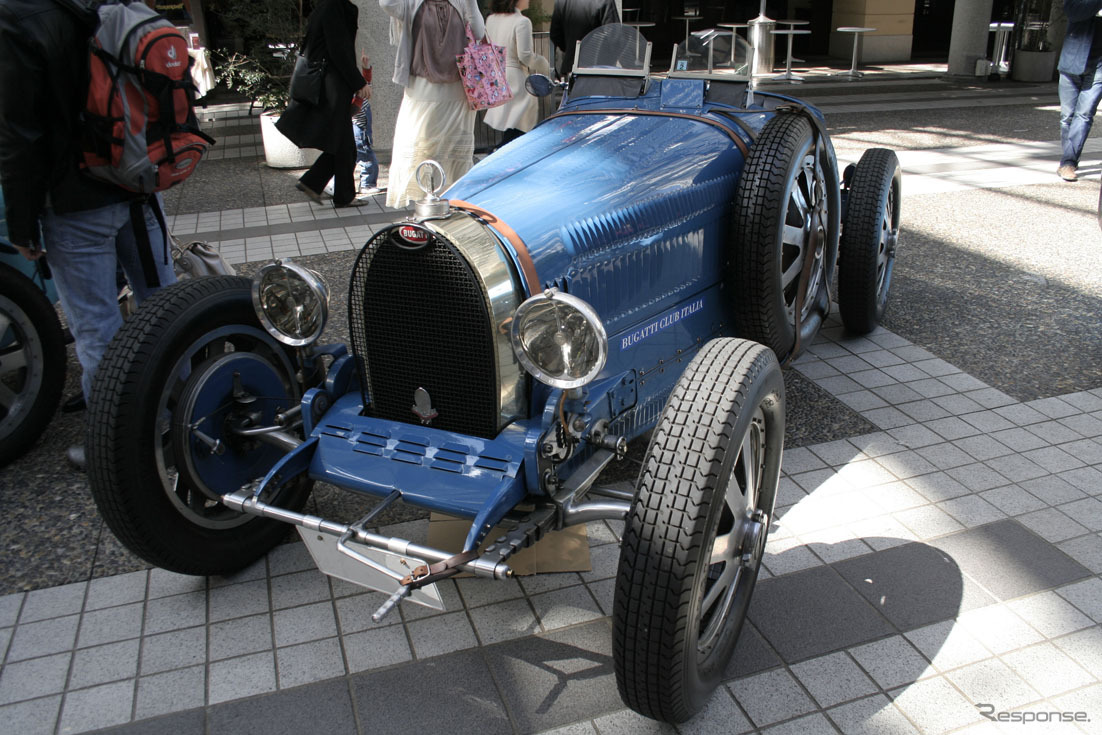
[[869, 238], [785, 220], [695, 536], [191, 363], [32, 363]]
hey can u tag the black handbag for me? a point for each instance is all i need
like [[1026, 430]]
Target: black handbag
[[306, 80]]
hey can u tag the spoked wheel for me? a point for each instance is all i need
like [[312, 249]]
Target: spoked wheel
[[784, 235], [870, 235], [695, 536], [184, 373], [32, 363]]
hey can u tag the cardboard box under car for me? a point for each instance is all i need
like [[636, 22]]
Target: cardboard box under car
[[559, 551]]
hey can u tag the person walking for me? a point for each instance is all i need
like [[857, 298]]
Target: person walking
[[434, 120], [572, 20], [1080, 81], [330, 38], [85, 225], [508, 27]]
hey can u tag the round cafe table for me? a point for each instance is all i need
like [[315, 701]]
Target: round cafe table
[[688, 19], [856, 31], [792, 23], [788, 75], [734, 35]]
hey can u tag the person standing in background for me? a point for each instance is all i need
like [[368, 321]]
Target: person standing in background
[[572, 20], [1080, 81], [361, 127], [507, 27], [434, 120], [330, 37]]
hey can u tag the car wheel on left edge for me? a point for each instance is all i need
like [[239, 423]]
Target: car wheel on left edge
[[32, 363], [695, 535]]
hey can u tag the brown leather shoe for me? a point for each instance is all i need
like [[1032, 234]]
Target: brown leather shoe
[[1067, 172]]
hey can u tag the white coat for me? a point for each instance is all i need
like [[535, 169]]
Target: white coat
[[514, 32]]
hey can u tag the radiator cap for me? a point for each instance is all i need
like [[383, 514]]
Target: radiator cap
[[432, 180]]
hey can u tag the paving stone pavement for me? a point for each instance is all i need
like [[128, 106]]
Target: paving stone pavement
[[925, 575]]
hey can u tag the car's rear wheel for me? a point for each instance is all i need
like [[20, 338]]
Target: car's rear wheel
[[32, 363], [870, 234], [784, 235], [695, 535], [191, 365]]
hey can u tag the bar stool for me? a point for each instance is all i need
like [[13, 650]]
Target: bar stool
[[734, 35], [856, 31], [634, 14], [792, 23], [788, 75]]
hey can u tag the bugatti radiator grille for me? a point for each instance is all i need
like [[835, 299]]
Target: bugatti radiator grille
[[418, 319]]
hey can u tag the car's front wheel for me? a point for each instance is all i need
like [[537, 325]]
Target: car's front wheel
[[784, 235], [695, 535], [181, 378]]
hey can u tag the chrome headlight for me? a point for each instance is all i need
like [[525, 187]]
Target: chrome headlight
[[291, 302], [559, 339]]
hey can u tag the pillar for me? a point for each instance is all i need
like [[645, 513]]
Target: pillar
[[971, 21]]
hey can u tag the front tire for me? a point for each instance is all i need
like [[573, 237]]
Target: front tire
[[695, 535], [869, 238], [785, 220], [177, 364], [32, 363]]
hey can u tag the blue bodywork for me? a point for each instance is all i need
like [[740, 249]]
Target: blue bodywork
[[615, 199]]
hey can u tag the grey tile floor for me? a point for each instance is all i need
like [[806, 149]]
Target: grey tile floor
[[940, 569], [949, 560]]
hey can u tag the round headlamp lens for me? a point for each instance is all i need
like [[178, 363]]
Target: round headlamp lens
[[559, 339], [292, 302]]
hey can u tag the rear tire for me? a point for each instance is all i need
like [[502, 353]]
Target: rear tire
[[146, 475], [870, 235], [32, 363], [695, 535]]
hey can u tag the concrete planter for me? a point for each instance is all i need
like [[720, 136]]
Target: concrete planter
[[279, 152], [1033, 66]]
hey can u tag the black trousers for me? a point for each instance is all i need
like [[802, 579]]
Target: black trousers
[[338, 165]]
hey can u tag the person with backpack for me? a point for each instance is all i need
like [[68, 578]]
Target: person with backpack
[[84, 224]]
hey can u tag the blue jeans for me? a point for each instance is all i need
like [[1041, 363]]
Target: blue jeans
[[365, 154], [84, 249], [1079, 96]]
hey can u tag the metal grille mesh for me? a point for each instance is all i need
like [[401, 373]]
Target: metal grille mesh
[[418, 319]]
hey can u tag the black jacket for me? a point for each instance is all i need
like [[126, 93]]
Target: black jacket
[[43, 73], [330, 36], [572, 20]]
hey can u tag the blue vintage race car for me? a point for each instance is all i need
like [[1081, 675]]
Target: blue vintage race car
[[642, 261]]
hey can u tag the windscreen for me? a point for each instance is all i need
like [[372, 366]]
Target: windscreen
[[613, 46]]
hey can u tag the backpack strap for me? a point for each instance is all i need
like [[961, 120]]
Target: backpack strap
[[141, 236]]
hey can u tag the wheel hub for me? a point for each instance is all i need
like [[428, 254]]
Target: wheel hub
[[231, 390], [754, 532]]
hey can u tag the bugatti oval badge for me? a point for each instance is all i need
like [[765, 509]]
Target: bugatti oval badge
[[414, 237]]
